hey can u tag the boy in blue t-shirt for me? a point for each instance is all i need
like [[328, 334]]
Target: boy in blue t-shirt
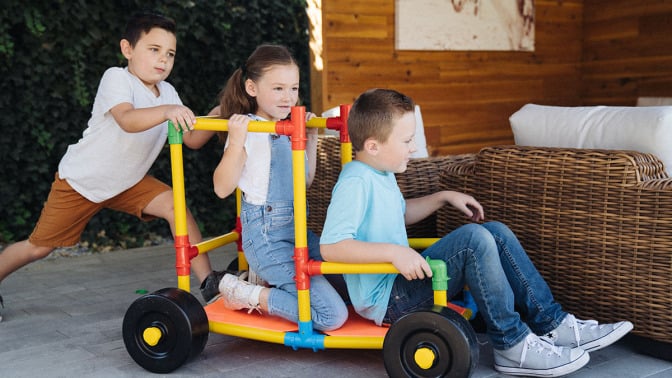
[[366, 223]]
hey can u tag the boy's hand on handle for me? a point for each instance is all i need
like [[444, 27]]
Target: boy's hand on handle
[[182, 117], [411, 264]]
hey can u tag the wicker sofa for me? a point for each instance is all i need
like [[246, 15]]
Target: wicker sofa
[[596, 223]]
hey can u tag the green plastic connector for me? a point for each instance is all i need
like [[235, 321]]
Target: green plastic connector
[[174, 136], [439, 274]]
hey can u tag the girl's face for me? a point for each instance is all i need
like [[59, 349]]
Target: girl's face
[[393, 155], [276, 91], [152, 57]]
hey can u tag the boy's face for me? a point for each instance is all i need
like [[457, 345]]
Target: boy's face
[[276, 91], [393, 154], [153, 56]]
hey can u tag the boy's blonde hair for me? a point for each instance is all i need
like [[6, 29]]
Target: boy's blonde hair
[[373, 114]]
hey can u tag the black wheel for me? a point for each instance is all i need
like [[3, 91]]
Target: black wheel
[[437, 342], [164, 329]]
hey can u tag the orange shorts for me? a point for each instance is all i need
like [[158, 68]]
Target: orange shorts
[[66, 212]]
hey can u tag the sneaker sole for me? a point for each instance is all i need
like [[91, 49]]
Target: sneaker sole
[[608, 339], [554, 372]]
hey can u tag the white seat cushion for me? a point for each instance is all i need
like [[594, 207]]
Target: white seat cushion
[[645, 129]]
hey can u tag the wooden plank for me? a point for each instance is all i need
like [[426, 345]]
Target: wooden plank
[[357, 26], [359, 7], [601, 10]]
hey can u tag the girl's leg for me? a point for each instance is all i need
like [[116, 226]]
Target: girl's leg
[[532, 295], [271, 257]]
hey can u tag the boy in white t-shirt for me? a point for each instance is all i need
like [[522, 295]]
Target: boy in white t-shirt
[[107, 167]]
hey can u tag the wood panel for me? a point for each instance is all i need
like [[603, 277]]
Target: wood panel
[[466, 96], [627, 51], [606, 52]]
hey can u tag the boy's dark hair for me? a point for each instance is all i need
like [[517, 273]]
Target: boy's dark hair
[[143, 22], [373, 113]]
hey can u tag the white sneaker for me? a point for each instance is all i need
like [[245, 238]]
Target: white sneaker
[[535, 356], [238, 294], [588, 334], [252, 277]]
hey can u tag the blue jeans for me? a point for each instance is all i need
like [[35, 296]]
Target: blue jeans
[[268, 242], [490, 259]]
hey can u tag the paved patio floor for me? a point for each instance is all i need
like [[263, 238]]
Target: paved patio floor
[[63, 318]]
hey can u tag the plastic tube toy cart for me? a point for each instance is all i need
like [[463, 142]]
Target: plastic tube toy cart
[[164, 329]]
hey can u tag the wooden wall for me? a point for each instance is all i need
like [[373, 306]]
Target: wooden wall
[[597, 52], [466, 97], [627, 51]]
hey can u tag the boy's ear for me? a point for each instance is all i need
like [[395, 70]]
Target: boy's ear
[[126, 48], [371, 146]]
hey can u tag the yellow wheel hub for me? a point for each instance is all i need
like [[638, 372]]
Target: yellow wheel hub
[[152, 336], [424, 357]]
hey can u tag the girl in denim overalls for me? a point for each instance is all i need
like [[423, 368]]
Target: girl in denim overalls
[[260, 164]]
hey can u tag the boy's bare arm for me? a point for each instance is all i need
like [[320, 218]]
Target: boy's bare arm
[[196, 139], [420, 208], [408, 262], [134, 120]]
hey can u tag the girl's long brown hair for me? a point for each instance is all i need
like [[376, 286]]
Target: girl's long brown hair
[[233, 99]]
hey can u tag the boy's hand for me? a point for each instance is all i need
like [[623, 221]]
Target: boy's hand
[[467, 205], [182, 117], [411, 264], [237, 125]]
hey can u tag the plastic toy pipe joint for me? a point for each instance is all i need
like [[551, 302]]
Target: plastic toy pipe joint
[[440, 286]]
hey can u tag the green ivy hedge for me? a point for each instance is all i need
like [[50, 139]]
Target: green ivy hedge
[[52, 56]]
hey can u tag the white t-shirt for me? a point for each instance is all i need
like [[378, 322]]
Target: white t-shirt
[[255, 177], [257, 169], [108, 160]]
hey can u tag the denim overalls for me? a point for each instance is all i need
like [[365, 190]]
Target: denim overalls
[[268, 242]]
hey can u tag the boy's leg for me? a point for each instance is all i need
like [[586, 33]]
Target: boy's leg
[[532, 295], [64, 216], [162, 206], [151, 198], [472, 254], [545, 316], [20, 254], [472, 258]]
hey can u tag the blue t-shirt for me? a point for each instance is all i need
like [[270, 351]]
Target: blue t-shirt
[[366, 205]]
